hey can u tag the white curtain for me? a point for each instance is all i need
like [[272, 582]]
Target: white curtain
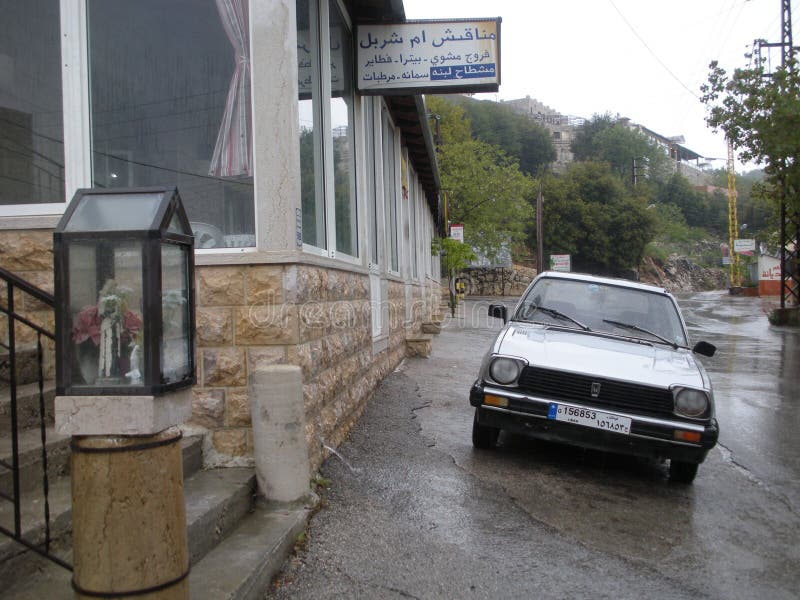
[[233, 152]]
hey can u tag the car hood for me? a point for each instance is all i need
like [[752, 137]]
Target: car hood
[[602, 356]]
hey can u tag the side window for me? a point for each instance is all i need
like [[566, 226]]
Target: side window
[[327, 128], [31, 123], [170, 105]]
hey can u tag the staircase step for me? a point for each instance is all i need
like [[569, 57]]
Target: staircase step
[[27, 406], [242, 566], [27, 365], [216, 500], [30, 458]]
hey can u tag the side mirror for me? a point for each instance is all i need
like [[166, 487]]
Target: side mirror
[[704, 348], [498, 311]]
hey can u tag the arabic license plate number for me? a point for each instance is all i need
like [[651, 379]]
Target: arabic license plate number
[[588, 417]]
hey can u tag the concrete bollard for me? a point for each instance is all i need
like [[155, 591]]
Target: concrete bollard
[[279, 433]]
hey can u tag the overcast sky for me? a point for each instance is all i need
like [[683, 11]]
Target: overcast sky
[[642, 59]]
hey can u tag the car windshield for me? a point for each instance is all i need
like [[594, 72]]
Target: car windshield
[[605, 308]]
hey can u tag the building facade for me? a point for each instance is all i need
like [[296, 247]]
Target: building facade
[[313, 207]]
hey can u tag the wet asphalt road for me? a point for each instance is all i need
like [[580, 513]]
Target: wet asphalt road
[[413, 511]]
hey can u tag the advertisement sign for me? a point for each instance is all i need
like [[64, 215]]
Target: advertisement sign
[[561, 262], [747, 247], [457, 232], [458, 55]]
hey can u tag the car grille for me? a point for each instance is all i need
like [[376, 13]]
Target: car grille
[[572, 387]]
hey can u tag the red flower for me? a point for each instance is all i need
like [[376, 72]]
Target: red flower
[[131, 323], [87, 326]]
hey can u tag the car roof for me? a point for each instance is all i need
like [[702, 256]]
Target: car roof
[[604, 280]]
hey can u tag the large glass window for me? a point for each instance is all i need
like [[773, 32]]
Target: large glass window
[[312, 198], [342, 130], [31, 126], [326, 112], [390, 189], [372, 190], [170, 105]]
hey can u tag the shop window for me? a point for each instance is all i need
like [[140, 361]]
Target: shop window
[[170, 105], [327, 133], [390, 185], [31, 124]]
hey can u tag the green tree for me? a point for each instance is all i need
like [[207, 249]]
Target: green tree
[[455, 257], [760, 116], [591, 215], [486, 192], [519, 136], [605, 138]]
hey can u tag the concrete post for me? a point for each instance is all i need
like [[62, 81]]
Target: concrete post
[[279, 433]]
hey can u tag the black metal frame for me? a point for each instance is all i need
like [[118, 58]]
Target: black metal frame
[[151, 240], [14, 318]]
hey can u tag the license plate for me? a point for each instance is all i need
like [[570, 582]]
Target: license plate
[[588, 417]]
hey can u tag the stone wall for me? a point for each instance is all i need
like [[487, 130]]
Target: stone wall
[[498, 281], [249, 316], [29, 255]]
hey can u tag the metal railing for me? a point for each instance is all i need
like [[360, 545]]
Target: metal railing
[[15, 319]]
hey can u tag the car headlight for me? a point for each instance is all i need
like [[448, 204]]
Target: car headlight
[[691, 403], [504, 370]]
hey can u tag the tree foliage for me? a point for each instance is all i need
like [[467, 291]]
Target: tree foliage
[[486, 192], [590, 214], [520, 137], [760, 116], [629, 152]]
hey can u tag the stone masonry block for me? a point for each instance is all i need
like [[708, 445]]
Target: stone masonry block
[[265, 325], [208, 408], [214, 326], [224, 367], [238, 404], [220, 286], [263, 285]]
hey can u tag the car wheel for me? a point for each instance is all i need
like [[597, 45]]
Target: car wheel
[[483, 437], [682, 472]]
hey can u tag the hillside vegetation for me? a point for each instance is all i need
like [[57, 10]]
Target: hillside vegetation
[[493, 161]]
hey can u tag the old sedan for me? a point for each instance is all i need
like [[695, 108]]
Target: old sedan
[[599, 363]]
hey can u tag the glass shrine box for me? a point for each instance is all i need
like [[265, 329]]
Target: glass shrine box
[[124, 287]]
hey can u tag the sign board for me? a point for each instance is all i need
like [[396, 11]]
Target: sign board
[[459, 55], [747, 247], [561, 262], [457, 232]]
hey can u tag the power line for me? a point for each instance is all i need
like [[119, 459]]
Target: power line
[[661, 62]]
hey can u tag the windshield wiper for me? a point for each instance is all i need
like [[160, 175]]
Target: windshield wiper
[[559, 315], [641, 329]]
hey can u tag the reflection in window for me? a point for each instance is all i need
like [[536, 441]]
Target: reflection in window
[[170, 102], [342, 129], [390, 190], [31, 126], [312, 201]]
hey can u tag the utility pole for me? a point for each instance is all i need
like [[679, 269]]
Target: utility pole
[[790, 240], [733, 221], [790, 220]]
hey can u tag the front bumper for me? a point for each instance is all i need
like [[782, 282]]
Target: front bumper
[[649, 436]]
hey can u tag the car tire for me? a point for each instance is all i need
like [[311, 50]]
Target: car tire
[[484, 437], [682, 472]]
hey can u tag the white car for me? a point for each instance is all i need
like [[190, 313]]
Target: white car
[[599, 363]]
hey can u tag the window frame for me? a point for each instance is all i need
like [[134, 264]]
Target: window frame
[[76, 93], [324, 169], [391, 225]]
